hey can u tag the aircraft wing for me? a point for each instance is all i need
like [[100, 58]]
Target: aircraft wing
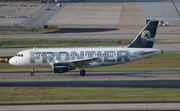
[[83, 62], [145, 53]]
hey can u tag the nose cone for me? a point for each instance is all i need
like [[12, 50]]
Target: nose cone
[[12, 61]]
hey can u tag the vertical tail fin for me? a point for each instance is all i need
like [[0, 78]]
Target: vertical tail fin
[[145, 39]]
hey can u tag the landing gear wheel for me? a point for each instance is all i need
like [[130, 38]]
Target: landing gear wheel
[[32, 73], [82, 72]]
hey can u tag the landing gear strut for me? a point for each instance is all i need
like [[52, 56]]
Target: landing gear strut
[[82, 72], [32, 72]]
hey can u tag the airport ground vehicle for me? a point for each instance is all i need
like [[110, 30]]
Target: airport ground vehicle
[[47, 8], [163, 23]]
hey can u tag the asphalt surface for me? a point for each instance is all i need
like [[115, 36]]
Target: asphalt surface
[[41, 17], [96, 107], [138, 79], [90, 14]]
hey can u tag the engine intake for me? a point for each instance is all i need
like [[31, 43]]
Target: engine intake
[[62, 67]]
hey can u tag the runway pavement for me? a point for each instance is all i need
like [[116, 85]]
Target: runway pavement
[[138, 79], [96, 107], [16, 9], [40, 18], [167, 38], [90, 14]]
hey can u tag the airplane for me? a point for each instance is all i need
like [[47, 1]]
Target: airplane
[[66, 59]]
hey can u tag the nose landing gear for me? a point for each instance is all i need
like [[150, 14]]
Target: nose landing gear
[[32, 72]]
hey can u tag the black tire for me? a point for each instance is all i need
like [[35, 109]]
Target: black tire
[[32, 73], [82, 72]]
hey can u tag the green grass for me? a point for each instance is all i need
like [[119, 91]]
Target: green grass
[[53, 43], [159, 62], [24, 95], [37, 31]]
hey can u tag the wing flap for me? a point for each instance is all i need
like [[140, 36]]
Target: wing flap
[[146, 53], [83, 62]]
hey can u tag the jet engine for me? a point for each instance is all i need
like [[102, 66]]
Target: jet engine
[[62, 67]]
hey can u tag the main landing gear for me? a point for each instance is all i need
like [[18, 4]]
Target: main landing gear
[[82, 72], [32, 72]]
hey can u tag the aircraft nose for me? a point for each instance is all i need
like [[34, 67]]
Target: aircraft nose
[[12, 61]]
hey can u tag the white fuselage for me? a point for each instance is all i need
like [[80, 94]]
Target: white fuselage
[[106, 56]]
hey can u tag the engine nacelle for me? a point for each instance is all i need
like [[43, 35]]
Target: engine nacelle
[[62, 67]]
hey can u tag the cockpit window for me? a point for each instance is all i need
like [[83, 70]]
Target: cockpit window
[[19, 55]]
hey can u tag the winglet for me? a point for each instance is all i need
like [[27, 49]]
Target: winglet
[[145, 39]]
